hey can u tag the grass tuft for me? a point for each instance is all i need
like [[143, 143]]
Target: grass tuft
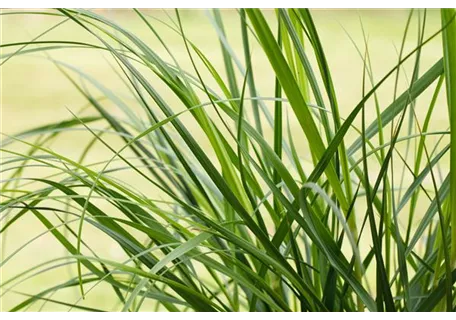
[[216, 197]]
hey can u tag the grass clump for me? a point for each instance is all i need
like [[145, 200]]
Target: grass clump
[[225, 214]]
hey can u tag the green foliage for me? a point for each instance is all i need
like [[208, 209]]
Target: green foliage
[[241, 224]]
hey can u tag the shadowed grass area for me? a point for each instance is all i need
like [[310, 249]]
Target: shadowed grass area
[[238, 172]]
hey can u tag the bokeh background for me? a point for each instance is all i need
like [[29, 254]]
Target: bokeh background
[[34, 92]]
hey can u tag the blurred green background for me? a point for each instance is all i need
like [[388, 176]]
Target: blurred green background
[[34, 92]]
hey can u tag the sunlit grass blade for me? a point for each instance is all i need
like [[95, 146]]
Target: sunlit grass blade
[[449, 61]]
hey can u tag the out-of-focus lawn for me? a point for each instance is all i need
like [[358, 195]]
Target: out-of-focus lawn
[[34, 92]]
